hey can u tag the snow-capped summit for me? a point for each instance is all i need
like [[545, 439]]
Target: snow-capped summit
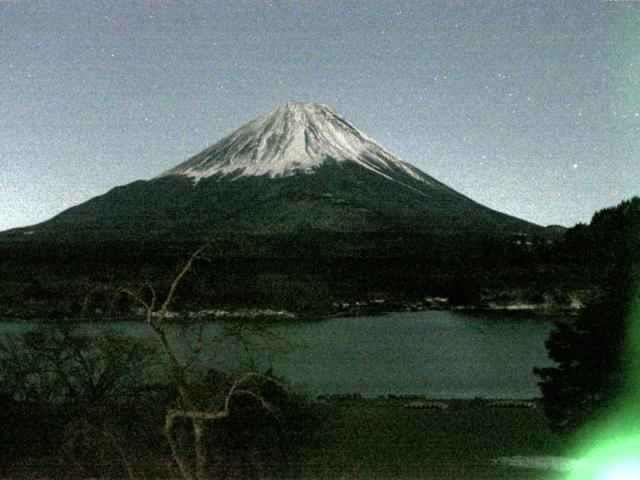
[[299, 171], [295, 137]]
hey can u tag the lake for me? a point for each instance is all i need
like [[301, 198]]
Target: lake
[[439, 354]]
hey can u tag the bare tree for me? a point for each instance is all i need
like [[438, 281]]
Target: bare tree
[[95, 374], [248, 385], [73, 374]]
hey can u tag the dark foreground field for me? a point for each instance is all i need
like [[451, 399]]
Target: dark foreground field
[[370, 438], [384, 439]]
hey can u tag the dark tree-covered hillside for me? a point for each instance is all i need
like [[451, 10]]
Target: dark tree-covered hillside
[[591, 349]]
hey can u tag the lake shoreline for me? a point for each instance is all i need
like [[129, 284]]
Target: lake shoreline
[[358, 309], [436, 354]]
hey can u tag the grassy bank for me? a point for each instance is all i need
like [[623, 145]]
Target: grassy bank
[[369, 438], [381, 438]]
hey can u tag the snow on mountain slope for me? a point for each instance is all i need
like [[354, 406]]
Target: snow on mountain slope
[[295, 137], [297, 169]]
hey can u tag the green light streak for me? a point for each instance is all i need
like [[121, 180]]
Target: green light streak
[[610, 449], [613, 460]]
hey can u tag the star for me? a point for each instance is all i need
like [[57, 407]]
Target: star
[[526, 92]]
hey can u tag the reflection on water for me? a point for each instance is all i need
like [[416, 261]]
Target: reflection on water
[[438, 354]]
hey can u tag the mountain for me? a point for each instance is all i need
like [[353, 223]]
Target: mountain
[[298, 171], [294, 138]]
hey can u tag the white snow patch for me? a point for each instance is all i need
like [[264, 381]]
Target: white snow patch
[[243, 313], [516, 306], [295, 137], [412, 171], [537, 463]]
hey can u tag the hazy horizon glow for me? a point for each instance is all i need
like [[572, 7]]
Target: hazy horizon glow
[[530, 108]]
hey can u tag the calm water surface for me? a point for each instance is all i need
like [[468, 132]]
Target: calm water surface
[[438, 354]]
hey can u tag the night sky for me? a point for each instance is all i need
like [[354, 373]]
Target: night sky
[[529, 108]]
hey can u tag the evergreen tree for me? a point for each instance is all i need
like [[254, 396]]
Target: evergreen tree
[[591, 360], [590, 350]]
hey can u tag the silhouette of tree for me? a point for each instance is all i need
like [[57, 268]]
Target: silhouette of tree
[[590, 350], [590, 354]]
